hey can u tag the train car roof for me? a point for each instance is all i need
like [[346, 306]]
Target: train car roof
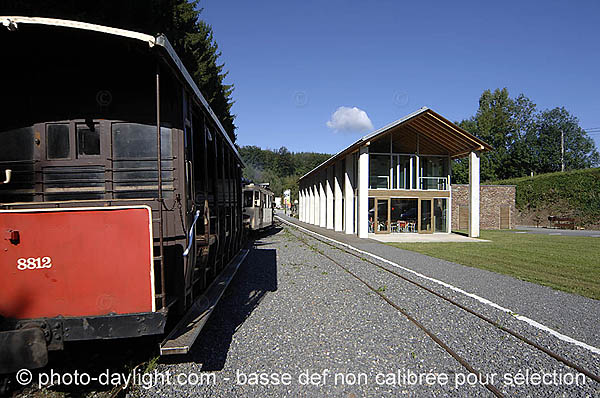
[[160, 41], [256, 187]]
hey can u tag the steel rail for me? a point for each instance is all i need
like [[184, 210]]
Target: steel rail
[[472, 312], [493, 389]]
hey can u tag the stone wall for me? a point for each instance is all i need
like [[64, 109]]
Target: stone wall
[[491, 198]]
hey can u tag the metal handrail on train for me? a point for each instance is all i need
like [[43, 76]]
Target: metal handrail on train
[[191, 234], [8, 173], [161, 249]]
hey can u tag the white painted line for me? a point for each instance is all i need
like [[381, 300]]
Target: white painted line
[[531, 322], [521, 232], [555, 233]]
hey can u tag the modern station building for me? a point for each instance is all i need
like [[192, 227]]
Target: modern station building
[[394, 180]]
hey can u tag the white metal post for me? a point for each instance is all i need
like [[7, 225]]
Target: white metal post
[[410, 177], [418, 173]]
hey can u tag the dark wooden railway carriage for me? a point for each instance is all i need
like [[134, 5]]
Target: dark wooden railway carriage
[[85, 110]]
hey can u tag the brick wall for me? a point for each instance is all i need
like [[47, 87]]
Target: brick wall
[[491, 199]]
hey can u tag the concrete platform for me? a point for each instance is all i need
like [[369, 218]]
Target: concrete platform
[[423, 238]]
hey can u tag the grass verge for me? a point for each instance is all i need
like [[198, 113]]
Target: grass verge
[[568, 263]]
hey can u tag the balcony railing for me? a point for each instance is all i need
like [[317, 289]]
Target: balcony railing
[[425, 183], [434, 183]]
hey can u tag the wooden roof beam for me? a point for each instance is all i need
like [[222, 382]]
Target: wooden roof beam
[[449, 135], [452, 126], [442, 137]]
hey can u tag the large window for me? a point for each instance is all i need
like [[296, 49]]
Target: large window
[[434, 173], [403, 215], [379, 171], [401, 172], [392, 165]]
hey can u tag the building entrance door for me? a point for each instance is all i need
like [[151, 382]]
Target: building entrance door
[[425, 213]]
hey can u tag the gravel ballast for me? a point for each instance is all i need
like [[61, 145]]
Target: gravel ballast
[[296, 318]]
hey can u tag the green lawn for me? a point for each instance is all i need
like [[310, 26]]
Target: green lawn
[[566, 263]]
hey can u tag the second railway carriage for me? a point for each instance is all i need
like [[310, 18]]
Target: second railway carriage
[[259, 204], [120, 191]]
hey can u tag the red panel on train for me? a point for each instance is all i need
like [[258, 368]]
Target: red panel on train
[[75, 262]]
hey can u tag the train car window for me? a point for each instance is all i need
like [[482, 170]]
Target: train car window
[[248, 199], [131, 140], [57, 141], [17, 145], [88, 139], [134, 153], [256, 199]]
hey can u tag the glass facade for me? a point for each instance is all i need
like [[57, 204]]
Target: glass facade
[[382, 224], [440, 214], [403, 215], [434, 173], [379, 172], [425, 215], [408, 215], [371, 215], [391, 170]]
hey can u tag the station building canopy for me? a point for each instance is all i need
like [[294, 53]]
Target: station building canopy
[[424, 132]]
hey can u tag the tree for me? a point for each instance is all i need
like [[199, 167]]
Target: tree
[[580, 151], [524, 140], [179, 20], [284, 165], [281, 169]]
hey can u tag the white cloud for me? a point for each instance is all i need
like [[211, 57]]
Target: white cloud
[[350, 120]]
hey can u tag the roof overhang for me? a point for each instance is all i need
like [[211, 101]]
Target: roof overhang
[[161, 41], [431, 126]]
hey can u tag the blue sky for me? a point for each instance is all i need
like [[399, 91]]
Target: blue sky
[[294, 64]]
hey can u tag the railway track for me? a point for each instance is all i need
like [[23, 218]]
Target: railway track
[[449, 300]]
